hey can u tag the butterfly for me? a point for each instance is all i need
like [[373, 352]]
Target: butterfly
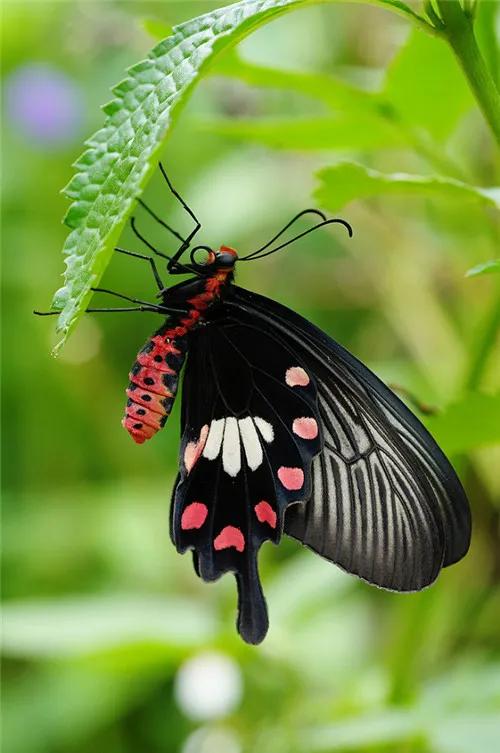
[[284, 431]]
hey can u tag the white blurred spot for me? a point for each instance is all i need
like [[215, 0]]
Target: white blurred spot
[[208, 686], [207, 740]]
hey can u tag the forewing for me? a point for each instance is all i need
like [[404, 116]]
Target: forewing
[[386, 503], [250, 430]]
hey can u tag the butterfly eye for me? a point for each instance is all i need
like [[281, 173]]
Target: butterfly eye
[[202, 256]]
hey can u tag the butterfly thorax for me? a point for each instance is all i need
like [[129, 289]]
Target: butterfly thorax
[[154, 376]]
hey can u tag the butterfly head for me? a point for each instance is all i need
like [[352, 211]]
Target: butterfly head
[[222, 259], [225, 257]]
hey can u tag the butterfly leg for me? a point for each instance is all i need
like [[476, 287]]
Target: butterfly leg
[[182, 202], [151, 306], [173, 266], [120, 310], [156, 309], [174, 261], [179, 198], [149, 259], [159, 220]]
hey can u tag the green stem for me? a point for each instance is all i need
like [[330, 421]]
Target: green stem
[[459, 32], [487, 338]]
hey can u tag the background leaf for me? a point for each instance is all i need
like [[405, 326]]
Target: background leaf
[[345, 131], [347, 181], [467, 424], [81, 626], [434, 96], [322, 86], [487, 267]]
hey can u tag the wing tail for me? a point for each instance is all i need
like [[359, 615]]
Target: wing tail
[[252, 621]]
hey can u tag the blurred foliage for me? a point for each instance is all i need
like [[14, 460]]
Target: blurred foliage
[[100, 613]]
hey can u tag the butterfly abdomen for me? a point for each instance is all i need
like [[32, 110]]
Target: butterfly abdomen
[[154, 378]]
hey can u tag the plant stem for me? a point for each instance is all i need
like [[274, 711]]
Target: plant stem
[[487, 338], [458, 30]]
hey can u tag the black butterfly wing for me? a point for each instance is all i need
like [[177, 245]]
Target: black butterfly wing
[[386, 504], [250, 430]]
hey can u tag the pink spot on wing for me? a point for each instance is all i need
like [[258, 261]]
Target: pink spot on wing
[[305, 428], [296, 377], [228, 537], [193, 450], [194, 516], [265, 513], [291, 478]]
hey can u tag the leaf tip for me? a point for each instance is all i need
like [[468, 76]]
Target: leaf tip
[[487, 267]]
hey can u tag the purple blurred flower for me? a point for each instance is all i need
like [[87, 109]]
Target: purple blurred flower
[[43, 104]]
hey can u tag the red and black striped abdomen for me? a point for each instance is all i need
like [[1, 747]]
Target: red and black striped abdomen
[[154, 378], [155, 375]]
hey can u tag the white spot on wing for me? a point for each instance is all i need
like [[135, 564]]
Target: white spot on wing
[[265, 429], [251, 442], [231, 454], [214, 439]]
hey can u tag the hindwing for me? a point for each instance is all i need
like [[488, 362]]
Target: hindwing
[[250, 430]]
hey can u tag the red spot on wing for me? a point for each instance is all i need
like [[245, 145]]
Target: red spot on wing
[[291, 478], [296, 377], [265, 513], [305, 428], [194, 516], [228, 537], [193, 450]]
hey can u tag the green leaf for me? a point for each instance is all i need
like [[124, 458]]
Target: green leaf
[[410, 85], [347, 181], [466, 732], [78, 626], [461, 732], [361, 120], [121, 157], [468, 424], [486, 268], [444, 719], [425, 86], [332, 91], [344, 131], [404, 9], [364, 732]]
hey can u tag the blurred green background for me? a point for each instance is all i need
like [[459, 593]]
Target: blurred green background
[[110, 641]]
